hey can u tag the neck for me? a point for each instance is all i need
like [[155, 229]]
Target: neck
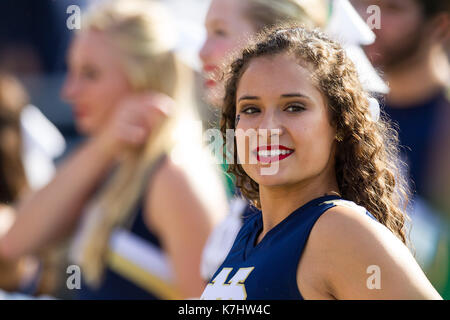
[[279, 202], [419, 80]]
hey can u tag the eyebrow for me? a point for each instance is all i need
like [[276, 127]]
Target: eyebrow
[[215, 22], [287, 95], [294, 95], [248, 98]]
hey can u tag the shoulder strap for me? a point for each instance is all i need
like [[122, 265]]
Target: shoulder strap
[[352, 205]]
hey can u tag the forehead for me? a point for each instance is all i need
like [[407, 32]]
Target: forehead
[[92, 46], [225, 10], [276, 75]]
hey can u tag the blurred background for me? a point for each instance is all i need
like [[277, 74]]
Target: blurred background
[[34, 40], [411, 53]]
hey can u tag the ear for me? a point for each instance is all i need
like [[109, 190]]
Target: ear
[[439, 27]]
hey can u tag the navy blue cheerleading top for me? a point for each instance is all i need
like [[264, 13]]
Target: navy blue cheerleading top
[[268, 270], [119, 282], [136, 265]]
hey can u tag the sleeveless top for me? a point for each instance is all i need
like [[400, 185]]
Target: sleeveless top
[[268, 270], [223, 236], [136, 265]]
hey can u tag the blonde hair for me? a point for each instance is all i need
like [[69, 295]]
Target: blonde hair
[[140, 30], [267, 13]]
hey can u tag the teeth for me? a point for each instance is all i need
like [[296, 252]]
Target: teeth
[[273, 153]]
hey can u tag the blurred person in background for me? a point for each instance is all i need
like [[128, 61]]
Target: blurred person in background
[[33, 38], [141, 192], [32, 46], [13, 181], [29, 275], [229, 23], [410, 50]]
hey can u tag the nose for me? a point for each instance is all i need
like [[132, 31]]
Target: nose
[[206, 51], [71, 89], [270, 125]]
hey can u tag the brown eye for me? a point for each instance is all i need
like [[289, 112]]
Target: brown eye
[[249, 110], [295, 108], [90, 73], [220, 32]]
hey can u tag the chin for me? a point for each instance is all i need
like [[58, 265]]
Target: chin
[[271, 179], [84, 128]]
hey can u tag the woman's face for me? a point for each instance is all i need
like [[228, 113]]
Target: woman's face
[[95, 82], [226, 29], [276, 93]]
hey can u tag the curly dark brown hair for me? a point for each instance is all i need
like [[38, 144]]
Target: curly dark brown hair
[[367, 164]]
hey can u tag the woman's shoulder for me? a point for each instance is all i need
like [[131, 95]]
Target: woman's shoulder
[[169, 175], [350, 239], [352, 206], [174, 179], [352, 246], [173, 189], [168, 185], [348, 224]]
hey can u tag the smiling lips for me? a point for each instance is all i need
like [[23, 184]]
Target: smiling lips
[[268, 154]]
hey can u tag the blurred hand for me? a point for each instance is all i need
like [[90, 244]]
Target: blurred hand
[[134, 120]]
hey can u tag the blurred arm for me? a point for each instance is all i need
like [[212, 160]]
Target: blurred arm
[[51, 212]]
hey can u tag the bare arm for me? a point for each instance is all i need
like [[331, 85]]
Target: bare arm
[[52, 212], [358, 258], [184, 221]]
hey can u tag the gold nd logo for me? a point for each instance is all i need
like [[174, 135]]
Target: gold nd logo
[[234, 289]]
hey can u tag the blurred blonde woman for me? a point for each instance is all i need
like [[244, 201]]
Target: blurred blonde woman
[[141, 189]]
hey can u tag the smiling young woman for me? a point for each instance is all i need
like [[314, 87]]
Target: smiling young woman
[[332, 209]]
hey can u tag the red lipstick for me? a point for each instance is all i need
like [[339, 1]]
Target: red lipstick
[[272, 153]]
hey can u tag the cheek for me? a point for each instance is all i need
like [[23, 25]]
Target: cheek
[[104, 98], [313, 144], [222, 48], [246, 142]]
